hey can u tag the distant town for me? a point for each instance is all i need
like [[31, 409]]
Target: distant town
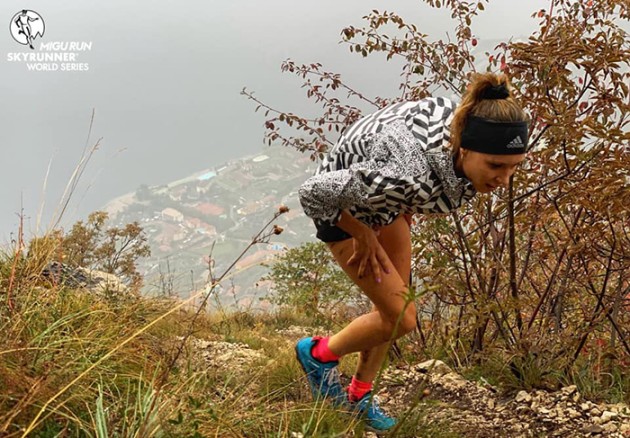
[[201, 223]]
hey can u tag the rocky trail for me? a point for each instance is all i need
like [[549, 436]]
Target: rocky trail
[[467, 408]]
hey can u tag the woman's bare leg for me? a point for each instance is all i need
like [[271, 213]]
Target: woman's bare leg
[[370, 362], [370, 334], [395, 240]]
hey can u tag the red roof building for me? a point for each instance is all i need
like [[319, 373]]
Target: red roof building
[[209, 209]]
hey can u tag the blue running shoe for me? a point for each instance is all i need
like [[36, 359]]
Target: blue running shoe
[[368, 409], [323, 377]]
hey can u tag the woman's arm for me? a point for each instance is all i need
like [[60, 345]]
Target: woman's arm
[[325, 195]]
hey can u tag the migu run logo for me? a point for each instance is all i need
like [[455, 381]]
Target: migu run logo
[[27, 27]]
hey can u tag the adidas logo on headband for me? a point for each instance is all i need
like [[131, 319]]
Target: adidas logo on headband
[[492, 137], [516, 143]]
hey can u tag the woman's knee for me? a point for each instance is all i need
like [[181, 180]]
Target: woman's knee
[[396, 326], [408, 322]]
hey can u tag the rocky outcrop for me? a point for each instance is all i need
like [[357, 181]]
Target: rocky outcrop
[[236, 357], [477, 410], [81, 278]]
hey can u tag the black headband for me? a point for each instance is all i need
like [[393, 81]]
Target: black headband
[[490, 137]]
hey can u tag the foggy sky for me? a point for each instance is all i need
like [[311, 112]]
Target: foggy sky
[[164, 80]]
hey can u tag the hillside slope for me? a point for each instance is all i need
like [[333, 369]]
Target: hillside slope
[[218, 210]]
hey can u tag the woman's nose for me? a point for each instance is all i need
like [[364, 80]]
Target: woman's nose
[[503, 178]]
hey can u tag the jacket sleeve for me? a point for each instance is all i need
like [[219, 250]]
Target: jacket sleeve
[[364, 184], [325, 195]]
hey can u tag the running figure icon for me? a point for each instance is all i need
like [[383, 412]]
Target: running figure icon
[[26, 26]]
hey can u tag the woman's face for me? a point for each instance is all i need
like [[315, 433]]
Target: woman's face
[[486, 171]]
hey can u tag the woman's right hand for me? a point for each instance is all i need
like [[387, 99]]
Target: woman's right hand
[[369, 254]]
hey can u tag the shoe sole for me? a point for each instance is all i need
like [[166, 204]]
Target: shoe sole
[[380, 432]]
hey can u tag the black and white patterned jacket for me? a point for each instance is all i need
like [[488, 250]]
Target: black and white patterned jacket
[[396, 160]]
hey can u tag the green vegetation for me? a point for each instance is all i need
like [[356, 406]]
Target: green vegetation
[[77, 364], [308, 279]]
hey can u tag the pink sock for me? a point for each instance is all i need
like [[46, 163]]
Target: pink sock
[[358, 389], [321, 352]]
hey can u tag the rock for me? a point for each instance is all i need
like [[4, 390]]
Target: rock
[[540, 394], [521, 409], [295, 332], [452, 382], [221, 354], [78, 277], [565, 419], [620, 408], [487, 385], [607, 416], [593, 429], [568, 390], [100, 281], [610, 428], [434, 367], [523, 397], [474, 411]]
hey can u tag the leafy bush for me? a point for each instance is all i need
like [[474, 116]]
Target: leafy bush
[[308, 279], [91, 245]]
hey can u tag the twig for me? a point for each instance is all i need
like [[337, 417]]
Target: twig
[[258, 238], [18, 251]]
